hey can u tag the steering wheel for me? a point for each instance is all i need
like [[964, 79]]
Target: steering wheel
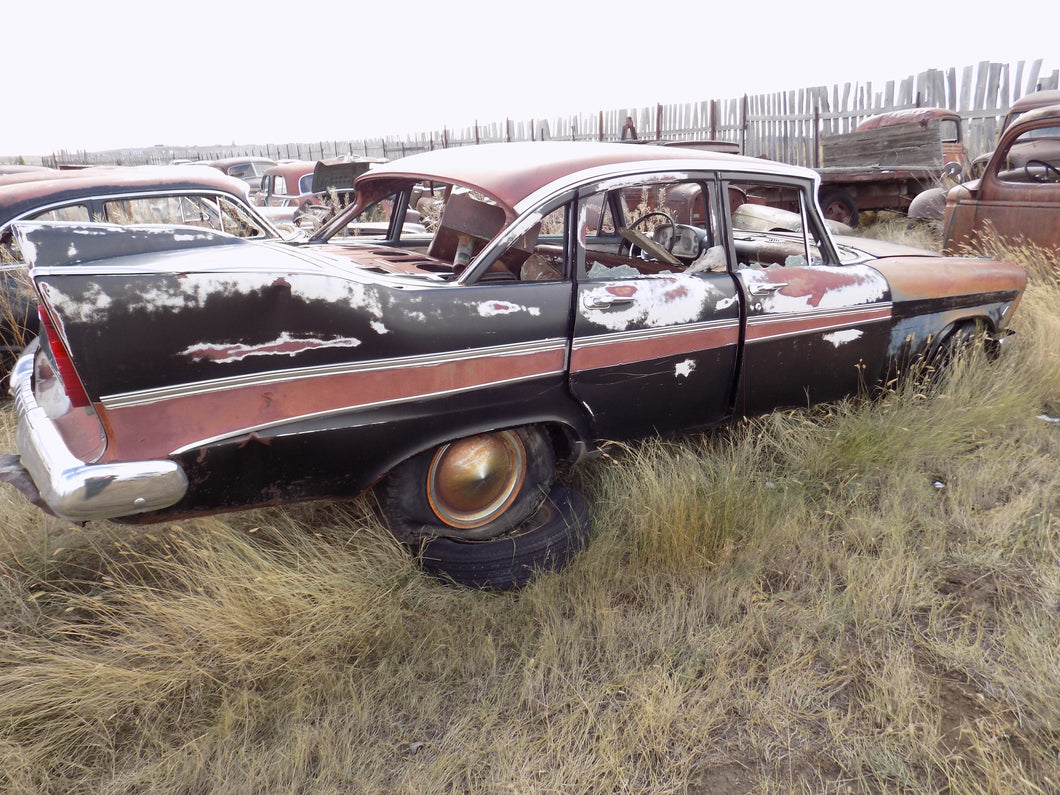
[[669, 220], [1048, 168]]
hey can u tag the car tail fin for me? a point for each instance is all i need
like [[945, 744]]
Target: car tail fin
[[62, 243], [64, 366]]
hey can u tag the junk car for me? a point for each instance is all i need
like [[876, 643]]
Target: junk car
[[140, 194], [1018, 195], [286, 189], [249, 169], [549, 296]]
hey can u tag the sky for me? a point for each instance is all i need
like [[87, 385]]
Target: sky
[[113, 74]]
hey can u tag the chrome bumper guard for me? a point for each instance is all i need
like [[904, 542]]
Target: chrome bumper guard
[[73, 489]]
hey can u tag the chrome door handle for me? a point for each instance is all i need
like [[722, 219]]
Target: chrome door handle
[[605, 301], [766, 289]]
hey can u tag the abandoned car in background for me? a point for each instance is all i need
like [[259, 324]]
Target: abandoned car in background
[[306, 192], [1018, 196], [143, 194], [477, 317], [249, 169], [286, 189]]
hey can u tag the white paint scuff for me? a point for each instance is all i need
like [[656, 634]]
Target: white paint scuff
[[838, 338]]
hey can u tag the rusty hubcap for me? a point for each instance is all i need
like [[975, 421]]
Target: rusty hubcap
[[474, 480]]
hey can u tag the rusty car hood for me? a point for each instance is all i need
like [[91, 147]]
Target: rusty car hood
[[853, 248]]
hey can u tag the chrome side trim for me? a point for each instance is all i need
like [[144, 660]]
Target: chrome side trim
[[648, 334], [73, 489], [339, 410], [829, 319], [260, 379]]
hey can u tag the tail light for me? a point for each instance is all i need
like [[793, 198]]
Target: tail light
[[64, 366]]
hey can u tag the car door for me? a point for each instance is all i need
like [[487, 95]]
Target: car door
[[655, 338], [815, 330]]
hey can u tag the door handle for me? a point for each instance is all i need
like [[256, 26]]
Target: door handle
[[606, 301], [766, 289]]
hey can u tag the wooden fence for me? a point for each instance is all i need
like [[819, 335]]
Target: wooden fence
[[784, 126]]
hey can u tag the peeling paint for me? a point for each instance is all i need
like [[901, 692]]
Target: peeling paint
[[727, 303], [838, 338], [658, 302], [817, 287], [285, 345], [684, 369], [193, 291], [495, 308]]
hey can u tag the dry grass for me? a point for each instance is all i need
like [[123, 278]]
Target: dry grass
[[862, 597]]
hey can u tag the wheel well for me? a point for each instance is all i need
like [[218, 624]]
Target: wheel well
[[966, 329]]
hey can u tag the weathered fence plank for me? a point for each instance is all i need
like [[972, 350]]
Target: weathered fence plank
[[786, 125]]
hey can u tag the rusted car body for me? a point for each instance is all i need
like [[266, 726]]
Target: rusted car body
[[286, 190], [1018, 196], [307, 192], [249, 169], [930, 205], [140, 194], [1028, 102], [547, 298]]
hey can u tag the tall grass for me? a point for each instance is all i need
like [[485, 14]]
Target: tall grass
[[860, 597]]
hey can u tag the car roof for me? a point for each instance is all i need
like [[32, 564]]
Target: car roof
[[15, 168], [1035, 99], [22, 192], [511, 172], [225, 162], [294, 168], [1046, 112]]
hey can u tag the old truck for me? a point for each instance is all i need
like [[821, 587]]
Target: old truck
[[888, 160]]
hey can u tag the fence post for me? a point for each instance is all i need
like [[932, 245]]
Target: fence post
[[816, 134], [744, 121]]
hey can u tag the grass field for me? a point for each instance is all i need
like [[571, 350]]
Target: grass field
[[857, 598]]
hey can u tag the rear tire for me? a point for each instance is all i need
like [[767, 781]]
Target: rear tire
[[475, 488], [547, 541]]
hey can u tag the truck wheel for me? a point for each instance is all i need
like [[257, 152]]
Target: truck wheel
[[547, 541], [838, 205]]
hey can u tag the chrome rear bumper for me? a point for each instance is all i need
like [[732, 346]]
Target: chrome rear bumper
[[69, 487]]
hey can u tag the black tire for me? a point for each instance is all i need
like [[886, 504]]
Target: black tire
[[952, 346], [838, 205], [547, 541], [476, 488]]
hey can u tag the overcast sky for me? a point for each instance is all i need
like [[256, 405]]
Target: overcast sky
[[123, 73]]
